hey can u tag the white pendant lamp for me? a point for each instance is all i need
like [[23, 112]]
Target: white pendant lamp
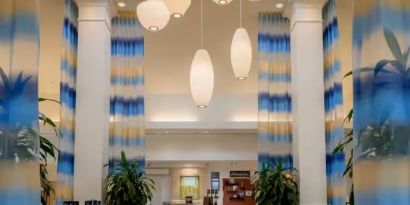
[[153, 14], [178, 7], [202, 74], [222, 2], [241, 51], [202, 78]]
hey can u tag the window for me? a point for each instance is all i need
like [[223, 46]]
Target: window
[[190, 187]]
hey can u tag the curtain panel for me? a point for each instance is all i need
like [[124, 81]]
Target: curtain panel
[[127, 89], [335, 162], [19, 141], [274, 97], [381, 44], [65, 164]]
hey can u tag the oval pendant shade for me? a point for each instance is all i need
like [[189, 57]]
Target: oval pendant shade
[[202, 78], [178, 7], [153, 14], [222, 2], [241, 53]]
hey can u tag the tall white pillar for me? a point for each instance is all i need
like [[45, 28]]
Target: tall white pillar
[[308, 101], [93, 98]]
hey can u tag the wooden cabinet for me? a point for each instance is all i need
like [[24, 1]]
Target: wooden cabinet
[[237, 191]]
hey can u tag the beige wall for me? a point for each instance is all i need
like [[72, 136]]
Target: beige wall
[[345, 15], [51, 24]]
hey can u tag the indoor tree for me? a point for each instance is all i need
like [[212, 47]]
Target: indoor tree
[[127, 184], [275, 184]]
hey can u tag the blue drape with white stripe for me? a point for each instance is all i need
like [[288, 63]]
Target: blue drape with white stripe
[[335, 162], [274, 98], [127, 89], [19, 139], [381, 58], [65, 164]]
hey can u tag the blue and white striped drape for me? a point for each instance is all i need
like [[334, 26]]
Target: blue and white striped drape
[[19, 141], [381, 42], [275, 106], [65, 167], [335, 163], [127, 88]]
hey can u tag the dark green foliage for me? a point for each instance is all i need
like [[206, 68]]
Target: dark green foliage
[[126, 184], [275, 185], [46, 149]]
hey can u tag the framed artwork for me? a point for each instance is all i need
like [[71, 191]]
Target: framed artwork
[[189, 186]]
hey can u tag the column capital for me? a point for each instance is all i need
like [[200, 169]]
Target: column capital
[[97, 10], [304, 11]]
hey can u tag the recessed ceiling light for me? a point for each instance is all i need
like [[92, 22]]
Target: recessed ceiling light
[[223, 2], [121, 4], [279, 5]]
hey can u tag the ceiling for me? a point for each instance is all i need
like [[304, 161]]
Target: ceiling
[[169, 53]]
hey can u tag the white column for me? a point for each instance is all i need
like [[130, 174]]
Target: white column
[[308, 102], [93, 97]]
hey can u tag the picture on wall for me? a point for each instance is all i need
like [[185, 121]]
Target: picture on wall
[[190, 187]]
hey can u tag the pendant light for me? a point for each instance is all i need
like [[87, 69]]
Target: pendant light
[[153, 14], [241, 50], [202, 74], [178, 7], [222, 2]]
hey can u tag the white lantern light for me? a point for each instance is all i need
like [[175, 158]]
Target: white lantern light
[[178, 7], [153, 14], [241, 53], [222, 2], [202, 78]]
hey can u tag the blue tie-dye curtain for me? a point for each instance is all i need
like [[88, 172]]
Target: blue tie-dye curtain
[[19, 141], [335, 162], [381, 42], [275, 106], [65, 167], [127, 89]]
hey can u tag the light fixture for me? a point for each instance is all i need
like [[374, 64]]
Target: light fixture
[[279, 5], [121, 4], [153, 14], [178, 7], [241, 51], [222, 2], [202, 74]]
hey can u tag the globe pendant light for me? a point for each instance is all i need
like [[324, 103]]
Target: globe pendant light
[[222, 2], [241, 51], [153, 14], [202, 74], [178, 7]]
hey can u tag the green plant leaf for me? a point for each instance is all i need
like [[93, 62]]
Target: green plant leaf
[[394, 46], [48, 100], [350, 73]]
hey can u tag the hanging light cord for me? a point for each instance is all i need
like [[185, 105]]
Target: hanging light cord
[[240, 13], [202, 24]]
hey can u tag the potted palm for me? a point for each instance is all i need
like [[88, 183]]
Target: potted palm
[[128, 184], [275, 185]]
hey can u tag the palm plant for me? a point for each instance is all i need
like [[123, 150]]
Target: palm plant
[[275, 185], [126, 184], [46, 149]]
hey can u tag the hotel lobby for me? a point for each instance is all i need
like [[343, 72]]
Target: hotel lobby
[[204, 102]]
